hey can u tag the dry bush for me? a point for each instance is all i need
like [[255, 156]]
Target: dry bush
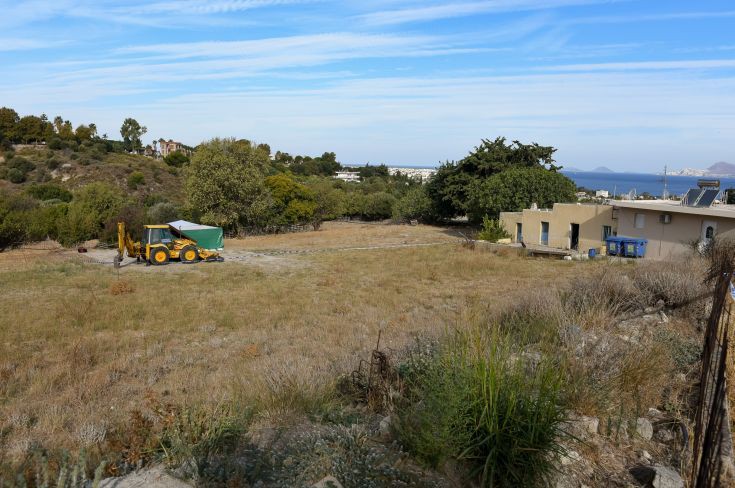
[[121, 287], [595, 299], [676, 283], [613, 378]]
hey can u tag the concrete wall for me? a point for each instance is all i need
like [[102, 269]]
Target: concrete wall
[[669, 240], [591, 219]]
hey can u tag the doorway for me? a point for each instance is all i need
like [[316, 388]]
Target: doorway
[[519, 232], [709, 230], [574, 237], [544, 233]]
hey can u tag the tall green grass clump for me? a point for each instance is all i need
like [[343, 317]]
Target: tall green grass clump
[[483, 403]]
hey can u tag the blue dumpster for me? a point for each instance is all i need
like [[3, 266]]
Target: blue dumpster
[[613, 244], [633, 247], [592, 253]]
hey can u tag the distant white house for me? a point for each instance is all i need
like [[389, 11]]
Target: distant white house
[[602, 194], [348, 176]]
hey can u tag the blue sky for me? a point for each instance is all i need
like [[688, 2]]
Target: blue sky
[[629, 84]]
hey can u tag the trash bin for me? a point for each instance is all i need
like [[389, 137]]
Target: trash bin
[[633, 247], [613, 245], [592, 253]]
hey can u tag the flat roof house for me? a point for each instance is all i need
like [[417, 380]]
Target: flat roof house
[[671, 227], [565, 226]]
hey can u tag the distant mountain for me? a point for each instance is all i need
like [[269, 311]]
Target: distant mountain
[[718, 169], [572, 169], [722, 168], [602, 169]]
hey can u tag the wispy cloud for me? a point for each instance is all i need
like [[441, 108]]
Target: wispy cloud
[[660, 17], [16, 44], [212, 7], [462, 9], [645, 65]]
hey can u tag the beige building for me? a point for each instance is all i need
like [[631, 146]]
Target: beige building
[[167, 147], [566, 226], [670, 227]]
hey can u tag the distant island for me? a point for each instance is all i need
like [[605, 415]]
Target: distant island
[[599, 169], [721, 168]]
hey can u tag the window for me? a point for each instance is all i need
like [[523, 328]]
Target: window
[[709, 233], [606, 231], [545, 233], [640, 221]]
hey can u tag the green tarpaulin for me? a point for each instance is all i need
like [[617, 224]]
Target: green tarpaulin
[[206, 237]]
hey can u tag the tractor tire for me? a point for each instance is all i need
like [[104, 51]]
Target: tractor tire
[[189, 254], [159, 256]]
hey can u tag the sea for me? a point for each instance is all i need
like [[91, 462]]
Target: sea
[[623, 183]]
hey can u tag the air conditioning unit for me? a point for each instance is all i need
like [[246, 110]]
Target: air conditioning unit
[[665, 218]]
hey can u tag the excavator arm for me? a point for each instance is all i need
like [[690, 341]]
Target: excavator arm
[[124, 242]]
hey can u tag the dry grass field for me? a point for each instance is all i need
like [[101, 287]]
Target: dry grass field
[[81, 346]]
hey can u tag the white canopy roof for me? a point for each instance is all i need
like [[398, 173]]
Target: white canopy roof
[[185, 225]]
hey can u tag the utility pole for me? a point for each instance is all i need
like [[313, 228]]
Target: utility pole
[[665, 195]]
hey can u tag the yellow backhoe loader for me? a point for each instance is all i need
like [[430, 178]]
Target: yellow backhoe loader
[[159, 246]]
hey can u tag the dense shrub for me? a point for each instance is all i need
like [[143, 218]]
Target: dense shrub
[[176, 159], [492, 230], [55, 143], [53, 163], [49, 192], [22, 219], [15, 175], [134, 217], [20, 163], [135, 179], [92, 206]]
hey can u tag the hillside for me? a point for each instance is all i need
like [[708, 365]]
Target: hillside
[[72, 169], [718, 169]]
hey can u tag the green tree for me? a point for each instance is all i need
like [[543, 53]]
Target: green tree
[[330, 202], [516, 189], [176, 159], [85, 132], [458, 188], [415, 204], [63, 128], [8, 123], [30, 128], [378, 206], [131, 132], [368, 171], [225, 184], [294, 202]]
